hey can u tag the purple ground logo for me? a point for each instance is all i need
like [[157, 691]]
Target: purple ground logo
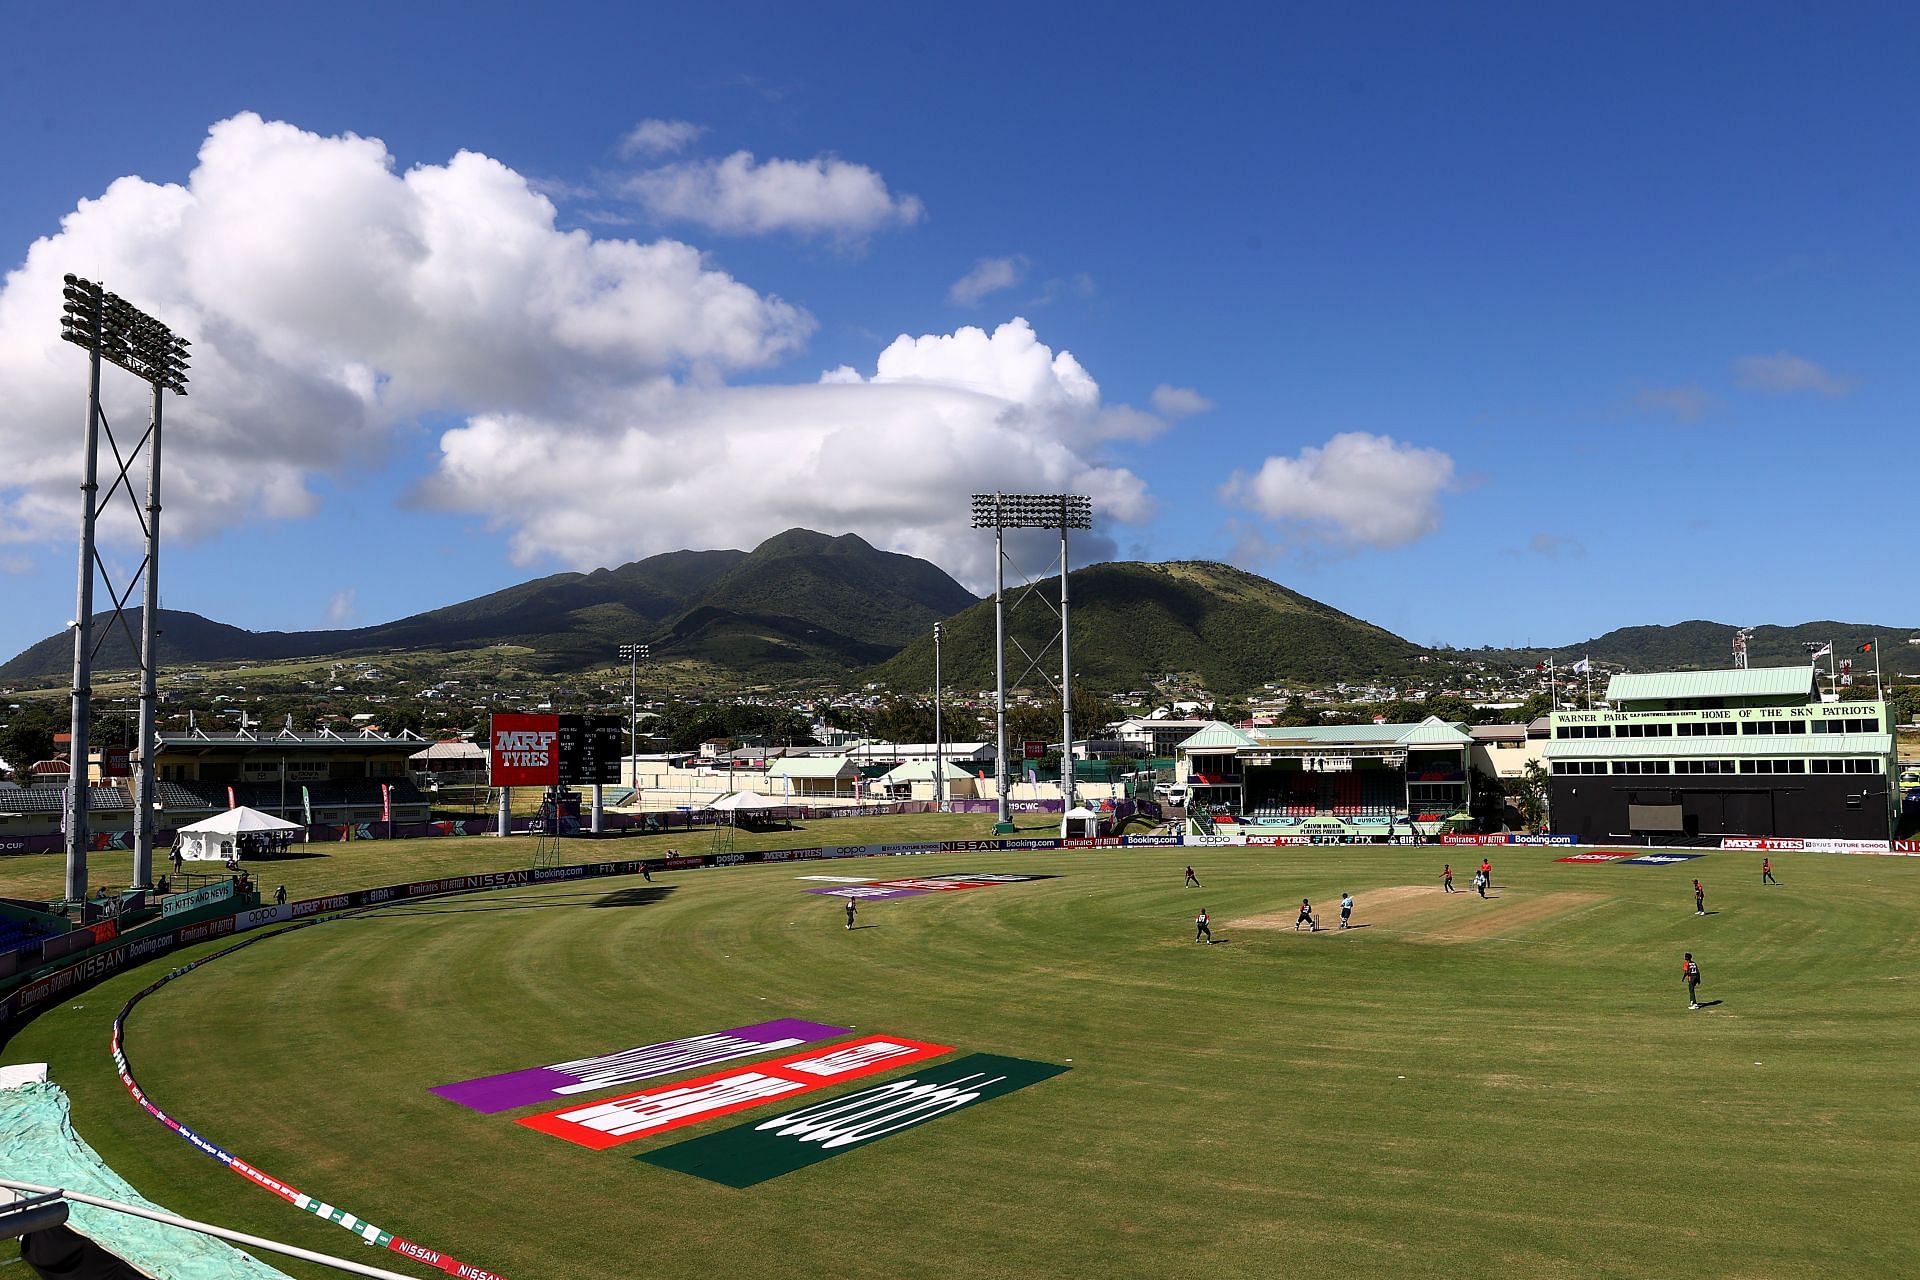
[[504, 1092]]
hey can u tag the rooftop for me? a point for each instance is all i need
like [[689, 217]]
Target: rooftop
[[1731, 682]]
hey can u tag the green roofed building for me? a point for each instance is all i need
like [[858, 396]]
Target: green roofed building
[[1742, 755], [1329, 783], [814, 776]]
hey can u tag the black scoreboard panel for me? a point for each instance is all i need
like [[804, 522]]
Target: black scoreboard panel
[[590, 749]]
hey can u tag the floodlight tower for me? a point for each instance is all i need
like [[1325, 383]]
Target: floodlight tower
[[1000, 512], [939, 743], [635, 654], [113, 329]]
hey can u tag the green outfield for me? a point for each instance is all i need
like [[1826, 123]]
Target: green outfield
[[1509, 1087]]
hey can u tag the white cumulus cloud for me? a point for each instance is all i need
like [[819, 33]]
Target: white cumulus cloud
[[892, 455], [1356, 490], [989, 275], [659, 137], [330, 301], [740, 195], [1178, 402]]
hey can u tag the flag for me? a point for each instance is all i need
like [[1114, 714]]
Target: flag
[[1865, 648], [1818, 651], [306, 806], [1538, 667], [386, 803], [1583, 666], [232, 801]]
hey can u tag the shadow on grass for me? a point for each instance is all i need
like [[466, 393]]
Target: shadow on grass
[[1708, 1004], [640, 896]]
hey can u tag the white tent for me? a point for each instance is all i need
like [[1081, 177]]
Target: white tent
[[213, 839], [742, 801], [1081, 822]]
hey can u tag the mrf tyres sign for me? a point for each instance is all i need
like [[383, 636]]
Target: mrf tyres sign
[[554, 750], [525, 750], [754, 1152]]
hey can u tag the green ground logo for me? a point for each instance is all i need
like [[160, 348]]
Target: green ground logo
[[752, 1153]]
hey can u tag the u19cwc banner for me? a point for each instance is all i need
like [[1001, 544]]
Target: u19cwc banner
[[752, 1153]]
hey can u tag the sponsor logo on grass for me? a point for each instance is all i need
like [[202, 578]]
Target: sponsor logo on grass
[[1659, 859], [640, 1115], [839, 879], [1592, 857], [752, 1153], [511, 1089], [867, 892], [911, 888]]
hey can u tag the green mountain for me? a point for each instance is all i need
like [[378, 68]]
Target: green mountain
[[1700, 644], [1132, 621], [799, 603]]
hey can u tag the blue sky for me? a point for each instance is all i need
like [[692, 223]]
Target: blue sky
[[1514, 325]]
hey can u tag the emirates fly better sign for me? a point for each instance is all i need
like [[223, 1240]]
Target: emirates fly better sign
[[554, 750]]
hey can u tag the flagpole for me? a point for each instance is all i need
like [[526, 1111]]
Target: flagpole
[[1553, 700], [1878, 693], [1589, 661], [1833, 677]]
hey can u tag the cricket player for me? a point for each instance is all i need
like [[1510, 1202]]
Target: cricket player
[[1306, 917], [1346, 908], [1192, 879], [1766, 871], [851, 906], [1699, 899], [1203, 927], [1446, 878], [1690, 972]]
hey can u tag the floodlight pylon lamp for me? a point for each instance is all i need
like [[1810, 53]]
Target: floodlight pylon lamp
[[123, 334], [1032, 511]]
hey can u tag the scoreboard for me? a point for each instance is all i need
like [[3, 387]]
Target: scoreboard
[[554, 750]]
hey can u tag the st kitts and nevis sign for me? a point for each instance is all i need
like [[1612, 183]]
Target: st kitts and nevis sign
[[756, 1151]]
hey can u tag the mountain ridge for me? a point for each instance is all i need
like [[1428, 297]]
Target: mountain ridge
[[804, 604]]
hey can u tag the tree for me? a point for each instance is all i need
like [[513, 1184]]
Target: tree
[[1529, 795], [27, 735], [1449, 707], [1297, 713]]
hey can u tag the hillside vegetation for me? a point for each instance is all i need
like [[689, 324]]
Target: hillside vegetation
[[1132, 621]]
